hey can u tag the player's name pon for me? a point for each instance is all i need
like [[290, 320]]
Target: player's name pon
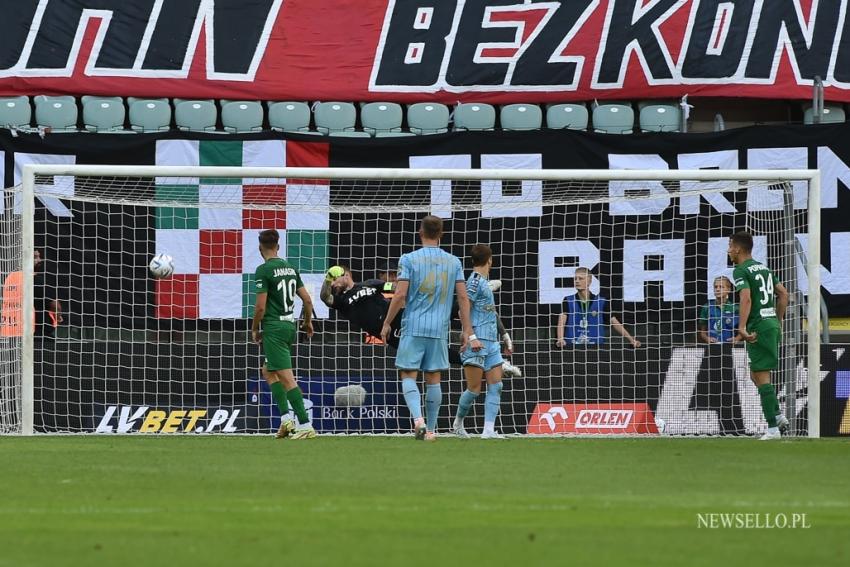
[[284, 272]]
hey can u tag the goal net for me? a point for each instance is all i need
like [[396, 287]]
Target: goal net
[[616, 291]]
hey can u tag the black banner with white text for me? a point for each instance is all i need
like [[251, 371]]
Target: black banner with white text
[[525, 238]]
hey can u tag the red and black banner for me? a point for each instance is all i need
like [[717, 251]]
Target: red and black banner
[[409, 50]]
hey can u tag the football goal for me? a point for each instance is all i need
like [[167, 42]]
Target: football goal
[[614, 287]]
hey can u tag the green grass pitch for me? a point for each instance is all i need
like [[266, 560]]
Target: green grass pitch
[[124, 501]]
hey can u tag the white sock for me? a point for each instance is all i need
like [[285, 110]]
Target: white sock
[[489, 427], [773, 430]]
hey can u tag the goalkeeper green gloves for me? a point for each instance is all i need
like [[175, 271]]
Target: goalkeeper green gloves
[[333, 273]]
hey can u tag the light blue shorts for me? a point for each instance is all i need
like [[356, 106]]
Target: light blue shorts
[[488, 357], [422, 353]]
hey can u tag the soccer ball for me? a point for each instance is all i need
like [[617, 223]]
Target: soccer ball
[[162, 266]]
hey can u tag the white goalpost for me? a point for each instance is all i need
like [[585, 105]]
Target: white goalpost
[[91, 342]]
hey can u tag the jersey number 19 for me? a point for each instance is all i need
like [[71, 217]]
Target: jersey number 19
[[287, 289]]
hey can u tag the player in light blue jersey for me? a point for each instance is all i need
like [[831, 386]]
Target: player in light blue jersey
[[428, 280], [487, 362]]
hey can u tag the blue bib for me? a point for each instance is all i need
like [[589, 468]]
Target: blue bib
[[722, 321], [585, 327]]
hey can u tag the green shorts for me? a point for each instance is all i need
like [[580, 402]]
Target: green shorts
[[764, 352], [277, 345]]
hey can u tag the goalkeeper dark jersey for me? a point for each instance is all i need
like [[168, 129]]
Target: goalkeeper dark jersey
[[364, 305]]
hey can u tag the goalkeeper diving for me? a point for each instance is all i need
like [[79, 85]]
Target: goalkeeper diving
[[364, 305]]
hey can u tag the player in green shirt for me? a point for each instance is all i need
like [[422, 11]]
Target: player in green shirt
[[762, 300], [278, 283]]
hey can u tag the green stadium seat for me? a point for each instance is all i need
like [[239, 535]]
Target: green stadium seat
[[350, 134], [567, 116], [177, 101], [195, 115], [59, 113], [242, 116], [334, 117], [103, 114], [832, 114], [133, 99], [149, 115], [613, 119], [289, 117], [474, 116], [640, 104], [660, 118], [428, 118], [381, 117], [15, 113], [394, 134], [521, 117]]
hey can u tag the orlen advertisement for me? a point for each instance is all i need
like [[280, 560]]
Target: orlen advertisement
[[601, 419]]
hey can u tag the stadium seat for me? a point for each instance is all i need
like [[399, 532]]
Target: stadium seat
[[521, 117], [567, 116], [149, 115], [337, 119], [660, 118], [15, 113], [381, 118], [177, 101], [832, 114], [59, 113], [613, 119], [103, 114], [195, 115], [350, 134], [428, 118], [131, 100], [474, 116], [242, 116], [289, 117]]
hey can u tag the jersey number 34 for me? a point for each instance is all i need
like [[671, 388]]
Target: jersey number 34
[[765, 288]]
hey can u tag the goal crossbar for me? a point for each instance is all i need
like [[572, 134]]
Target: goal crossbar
[[419, 174]]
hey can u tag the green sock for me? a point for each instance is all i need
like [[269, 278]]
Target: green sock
[[769, 403], [296, 398], [279, 396]]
